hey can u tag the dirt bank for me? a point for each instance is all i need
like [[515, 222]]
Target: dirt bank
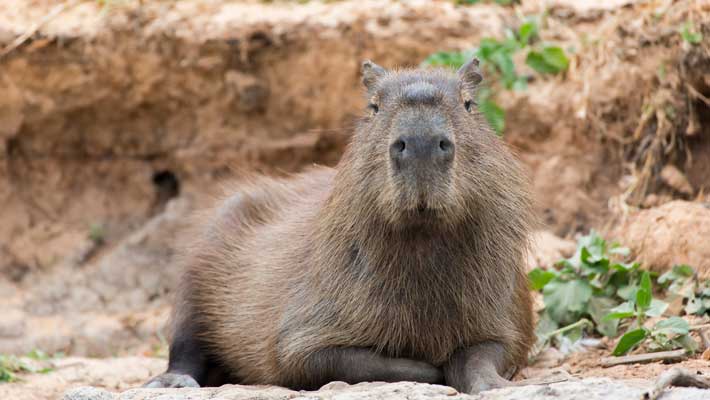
[[117, 121]]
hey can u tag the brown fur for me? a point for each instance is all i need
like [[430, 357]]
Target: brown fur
[[341, 257]]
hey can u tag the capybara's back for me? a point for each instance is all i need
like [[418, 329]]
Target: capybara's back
[[403, 263]]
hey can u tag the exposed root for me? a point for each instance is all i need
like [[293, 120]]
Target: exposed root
[[676, 377], [58, 9], [643, 358]]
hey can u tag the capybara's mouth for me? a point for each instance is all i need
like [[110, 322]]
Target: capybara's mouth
[[424, 212]]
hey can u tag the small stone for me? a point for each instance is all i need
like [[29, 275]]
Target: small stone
[[88, 393], [335, 385]]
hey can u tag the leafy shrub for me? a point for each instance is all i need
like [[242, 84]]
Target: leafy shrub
[[595, 289], [10, 365], [496, 56], [689, 35], [682, 281]]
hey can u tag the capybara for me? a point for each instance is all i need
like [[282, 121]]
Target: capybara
[[404, 263]]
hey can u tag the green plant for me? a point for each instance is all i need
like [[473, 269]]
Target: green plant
[[682, 281], [596, 285], [496, 57], [547, 60], [664, 334], [97, 233], [699, 301], [689, 35], [10, 365], [587, 285], [38, 355]]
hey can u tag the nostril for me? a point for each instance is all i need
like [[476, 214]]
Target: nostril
[[399, 145], [445, 145]]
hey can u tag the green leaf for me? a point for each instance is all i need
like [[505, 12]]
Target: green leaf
[[527, 32], [575, 334], [656, 308], [623, 310], [683, 270], [537, 62], [539, 278], [627, 292], [37, 354], [626, 267], [695, 306], [672, 325], [688, 343], [494, 114], [451, 59], [629, 341], [689, 35], [521, 83], [600, 307], [545, 325], [504, 63], [551, 60], [620, 251], [678, 272], [566, 301], [556, 57], [643, 295]]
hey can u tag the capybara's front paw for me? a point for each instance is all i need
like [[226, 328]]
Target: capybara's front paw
[[487, 382], [171, 380]]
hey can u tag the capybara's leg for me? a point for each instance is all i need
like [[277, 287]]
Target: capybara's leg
[[354, 365], [476, 368], [188, 365]]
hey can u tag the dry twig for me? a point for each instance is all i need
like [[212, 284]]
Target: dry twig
[[676, 377], [643, 358], [28, 34]]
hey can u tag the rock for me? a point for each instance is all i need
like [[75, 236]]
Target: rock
[[68, 375], [589, 389], [88, 393], [674, 233], [546, 249]]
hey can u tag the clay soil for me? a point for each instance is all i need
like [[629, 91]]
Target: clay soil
[[119, 118]]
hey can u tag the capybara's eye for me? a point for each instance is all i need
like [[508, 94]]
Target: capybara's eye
[[374, 107], [468, 104]]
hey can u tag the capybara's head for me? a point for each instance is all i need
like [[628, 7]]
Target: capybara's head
[[424, 150]]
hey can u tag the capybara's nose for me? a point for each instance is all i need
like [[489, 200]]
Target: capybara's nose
[[422, 151]]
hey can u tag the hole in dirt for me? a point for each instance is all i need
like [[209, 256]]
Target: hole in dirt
[[699, 143], [16, 271], [167, 186], [12, 147]]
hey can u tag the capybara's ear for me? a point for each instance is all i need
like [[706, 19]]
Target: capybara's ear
[[470, 74], [371, 72]]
